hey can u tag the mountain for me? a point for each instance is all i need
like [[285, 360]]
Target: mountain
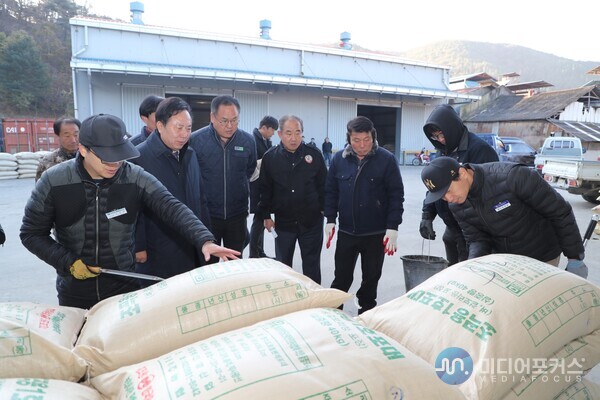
[[467, 57]]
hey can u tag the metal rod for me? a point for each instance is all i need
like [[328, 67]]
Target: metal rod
[[131, 274]]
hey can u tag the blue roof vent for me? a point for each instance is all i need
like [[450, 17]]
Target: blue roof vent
[[265, 28], [345, 41], [137, 9]]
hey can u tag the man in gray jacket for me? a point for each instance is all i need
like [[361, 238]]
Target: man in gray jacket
[[92, 202]]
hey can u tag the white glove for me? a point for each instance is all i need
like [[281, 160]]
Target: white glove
[[329, 232], [389, 241]]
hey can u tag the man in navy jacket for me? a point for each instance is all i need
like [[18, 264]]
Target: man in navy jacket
[[364, 190], [160, 250], [227, 158]]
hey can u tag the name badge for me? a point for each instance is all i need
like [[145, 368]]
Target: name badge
[[502, 205], [238, 148], [116, 213]]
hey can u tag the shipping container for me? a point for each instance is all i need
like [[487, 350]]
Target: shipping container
[[28, 134]]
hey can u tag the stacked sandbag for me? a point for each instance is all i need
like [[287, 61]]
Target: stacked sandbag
[[310, 354], [27, 164], [551, 376], [45, 389], [583, 390], [8, 166], [495, 307], [206, 301], [36, 341]]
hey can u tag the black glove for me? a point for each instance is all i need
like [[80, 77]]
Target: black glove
[[426, 229], [2, 235]]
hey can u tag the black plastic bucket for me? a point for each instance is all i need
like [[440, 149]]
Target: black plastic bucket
[[419, 268]]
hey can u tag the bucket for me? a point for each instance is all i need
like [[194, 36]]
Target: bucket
[[419, 268]]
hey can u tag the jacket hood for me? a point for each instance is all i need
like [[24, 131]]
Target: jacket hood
[[447, 120]]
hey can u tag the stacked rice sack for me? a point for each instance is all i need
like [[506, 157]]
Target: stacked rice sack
[[8, 166], [189, 307], [311, 354], [37, 341], [45, 389], [27, 164], [492, 325]]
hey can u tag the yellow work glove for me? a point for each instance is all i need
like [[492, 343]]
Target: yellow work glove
[[81, 271]]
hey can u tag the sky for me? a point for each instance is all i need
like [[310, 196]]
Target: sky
[[565, 28]]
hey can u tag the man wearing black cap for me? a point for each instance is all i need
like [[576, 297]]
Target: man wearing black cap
[[507, 208], [92, 202], [446, 131]]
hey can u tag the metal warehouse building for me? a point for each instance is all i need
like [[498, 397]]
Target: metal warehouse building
[[116, 64]]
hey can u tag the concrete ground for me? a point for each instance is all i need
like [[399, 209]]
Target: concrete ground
[[25, 278]]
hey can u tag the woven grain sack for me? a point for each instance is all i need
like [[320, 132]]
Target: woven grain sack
[[550, 376], [8, 157], [26, 155], [45, 389], [36, 341], [494, 306], [312, 354], [583, 390], [192, 306]]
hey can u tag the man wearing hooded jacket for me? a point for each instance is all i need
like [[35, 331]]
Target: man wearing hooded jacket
[[446, 131]]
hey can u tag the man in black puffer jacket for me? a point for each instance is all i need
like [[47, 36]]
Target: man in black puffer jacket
[[92, 202], [446, 131], [507, 208]]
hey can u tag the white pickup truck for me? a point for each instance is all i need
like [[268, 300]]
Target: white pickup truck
[[561, 162]]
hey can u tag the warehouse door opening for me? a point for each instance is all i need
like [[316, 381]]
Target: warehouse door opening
[[384, 119], [200, 109]]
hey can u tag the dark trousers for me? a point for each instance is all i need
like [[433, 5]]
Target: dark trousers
[[257, 237], [230, 233], [370, 249], [456, 246], [310, 241]]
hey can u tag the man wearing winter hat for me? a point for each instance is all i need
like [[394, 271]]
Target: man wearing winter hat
[[93, 202], [504, 207]]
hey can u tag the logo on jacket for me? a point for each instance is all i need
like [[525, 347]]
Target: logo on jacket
[[308, 158], [238, 148], [502, 205]]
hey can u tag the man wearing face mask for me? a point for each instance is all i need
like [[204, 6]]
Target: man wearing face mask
[[446, 131]]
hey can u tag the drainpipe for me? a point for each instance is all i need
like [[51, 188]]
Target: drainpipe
[[85, 42], [76, 108], [89, 74]]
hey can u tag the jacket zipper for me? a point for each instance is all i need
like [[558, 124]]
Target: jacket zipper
[[360, 167], [225, 180], [97, 237]]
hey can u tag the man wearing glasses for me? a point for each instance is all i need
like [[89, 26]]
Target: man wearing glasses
[[227, 158], [93, 202], [446, 131]]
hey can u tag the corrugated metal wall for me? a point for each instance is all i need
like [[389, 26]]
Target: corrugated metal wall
[[412, 138], [339, 112], [131, 97], [254, 106]]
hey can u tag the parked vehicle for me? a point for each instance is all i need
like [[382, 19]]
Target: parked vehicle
[[421, 158], [558, 148], [516, 150], [563, 166], [493, 140]]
